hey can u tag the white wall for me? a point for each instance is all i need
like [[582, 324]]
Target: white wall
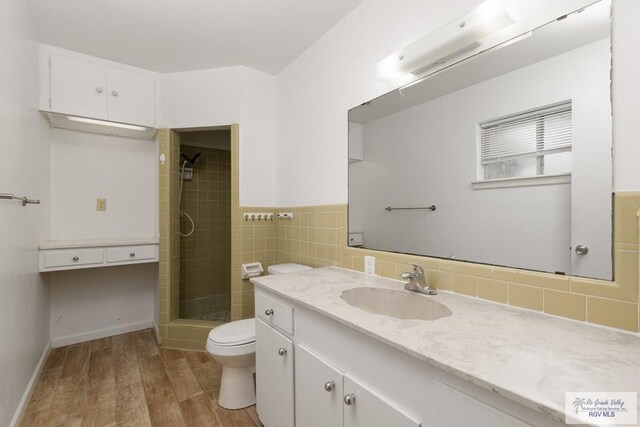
[[223, 96], [24, 165], [338, 73], [91, 303], [626, 95], [87, 166], [96, 302], [428, 155]]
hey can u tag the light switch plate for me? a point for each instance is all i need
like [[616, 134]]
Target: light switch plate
[[369, 265], [101, 205]]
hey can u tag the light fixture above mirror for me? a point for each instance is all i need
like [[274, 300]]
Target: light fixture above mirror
[[463, 35]]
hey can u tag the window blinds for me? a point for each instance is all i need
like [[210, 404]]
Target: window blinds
[[534, 133]]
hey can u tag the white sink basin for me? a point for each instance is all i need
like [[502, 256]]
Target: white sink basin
[[398, 304]]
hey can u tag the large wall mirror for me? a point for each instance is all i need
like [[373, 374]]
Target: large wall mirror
[[503, 158]]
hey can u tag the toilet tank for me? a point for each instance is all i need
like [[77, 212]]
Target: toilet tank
[[287, 268]]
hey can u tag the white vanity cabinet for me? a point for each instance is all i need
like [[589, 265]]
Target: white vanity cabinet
[[96, 90], [319, 391], [274, 377], [344, 377], [327, 398]]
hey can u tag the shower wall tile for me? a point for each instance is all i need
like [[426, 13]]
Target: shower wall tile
[[205, 255]]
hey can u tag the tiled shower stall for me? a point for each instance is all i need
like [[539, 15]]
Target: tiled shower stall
[[205, 251]]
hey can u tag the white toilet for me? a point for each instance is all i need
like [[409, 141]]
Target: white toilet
[[234, 346]]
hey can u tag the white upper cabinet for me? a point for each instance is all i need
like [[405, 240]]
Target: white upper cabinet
[[131, 97], [89, 87], [78, 87]]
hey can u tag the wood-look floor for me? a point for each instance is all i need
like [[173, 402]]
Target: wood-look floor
[[127, 380]]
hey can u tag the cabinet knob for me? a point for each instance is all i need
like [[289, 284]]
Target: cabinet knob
[[282, 351], [349, 399], [268, 312], [132, 254], [99, 89], [114, 93], [75, 258], [329, 386]]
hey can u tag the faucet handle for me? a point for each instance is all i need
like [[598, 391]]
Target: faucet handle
[[417, 269]]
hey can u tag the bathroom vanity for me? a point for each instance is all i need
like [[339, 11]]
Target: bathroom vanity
[[322, 361]]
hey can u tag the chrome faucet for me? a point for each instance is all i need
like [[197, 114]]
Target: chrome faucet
[[417, 281]]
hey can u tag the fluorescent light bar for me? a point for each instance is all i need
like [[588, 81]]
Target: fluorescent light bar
[[105, 123], [460, 36]]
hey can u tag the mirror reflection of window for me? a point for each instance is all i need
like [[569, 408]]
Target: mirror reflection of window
[[533, 143]]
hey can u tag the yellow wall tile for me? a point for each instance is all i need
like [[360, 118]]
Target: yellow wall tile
[[565, 304], [493, 290], [626, 273], [525, 296], [439, 279], [467, 285], [542, 280], [626, 222], [617, 314]]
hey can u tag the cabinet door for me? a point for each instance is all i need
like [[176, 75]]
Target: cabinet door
[[274, 377], [369, 410], [78, 87], [131, 97], [318, 391]]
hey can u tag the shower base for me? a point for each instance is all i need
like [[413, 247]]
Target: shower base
[[218, 316]]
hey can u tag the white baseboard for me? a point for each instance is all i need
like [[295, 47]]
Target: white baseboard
[[26, 396], [101, 333]]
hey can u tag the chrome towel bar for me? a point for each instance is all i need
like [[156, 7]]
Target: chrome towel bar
[[24, 200], [429, 208]]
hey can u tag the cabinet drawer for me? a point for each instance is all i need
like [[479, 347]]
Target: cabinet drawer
[[274, 312], [131, 253], [70, 257]]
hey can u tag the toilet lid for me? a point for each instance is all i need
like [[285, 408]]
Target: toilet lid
[[234, 333]]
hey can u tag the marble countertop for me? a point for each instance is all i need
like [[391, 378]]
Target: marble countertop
[[529, 357]]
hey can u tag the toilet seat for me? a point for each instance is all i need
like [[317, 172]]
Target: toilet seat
[[233, 338], [234, 333], [231, 350]]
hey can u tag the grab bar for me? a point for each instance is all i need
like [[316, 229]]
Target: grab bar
[[24, 200], [430, 208]]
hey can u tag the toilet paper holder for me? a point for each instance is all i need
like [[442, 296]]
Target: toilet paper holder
[[252, 269]]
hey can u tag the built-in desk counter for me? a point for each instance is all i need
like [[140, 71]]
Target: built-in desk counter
[[78, 254]]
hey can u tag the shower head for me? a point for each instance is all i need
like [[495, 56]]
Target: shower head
[[190, 160]]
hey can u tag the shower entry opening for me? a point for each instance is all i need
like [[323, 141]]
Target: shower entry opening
[[204, 202]]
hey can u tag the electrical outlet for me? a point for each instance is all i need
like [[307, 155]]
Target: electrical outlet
[[101, 205], [370, 265]]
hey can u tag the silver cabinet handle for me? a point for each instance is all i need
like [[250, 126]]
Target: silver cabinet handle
[[268, 312], [75, 258], [582, 249], [349, 399], [282, 351], [99, 90], [114, 93], [132, 254], [329, 386]]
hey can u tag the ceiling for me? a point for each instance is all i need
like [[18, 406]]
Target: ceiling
[[181, 35]]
